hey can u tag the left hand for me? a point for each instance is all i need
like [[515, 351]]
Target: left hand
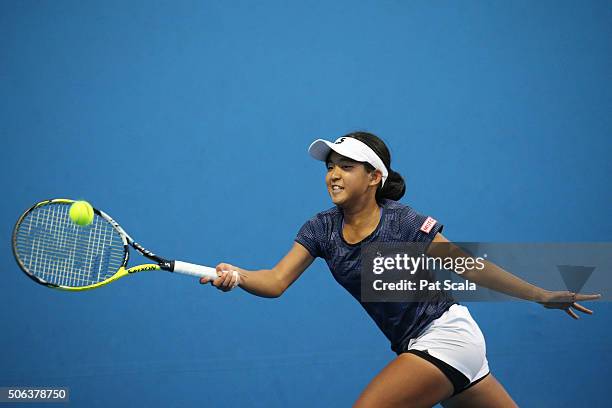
[[565, 300]]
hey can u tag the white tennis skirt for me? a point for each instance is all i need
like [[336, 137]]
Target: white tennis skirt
[[456, 339]]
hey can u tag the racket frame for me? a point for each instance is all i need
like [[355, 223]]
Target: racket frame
[[161, 263]]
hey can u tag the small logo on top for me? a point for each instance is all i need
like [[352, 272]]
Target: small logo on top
[[428, 225]]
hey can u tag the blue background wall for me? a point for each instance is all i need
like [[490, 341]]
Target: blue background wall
[[189, 122]]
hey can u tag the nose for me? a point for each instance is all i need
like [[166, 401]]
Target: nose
[[334, 173]]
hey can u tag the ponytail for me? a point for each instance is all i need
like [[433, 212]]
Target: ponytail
[[394, 187]]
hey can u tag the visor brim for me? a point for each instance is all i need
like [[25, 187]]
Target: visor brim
[[319, 150]]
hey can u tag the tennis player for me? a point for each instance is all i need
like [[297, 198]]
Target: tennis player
[[441, 352]]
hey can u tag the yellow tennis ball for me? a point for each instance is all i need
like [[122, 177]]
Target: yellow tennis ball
[[81, 212]]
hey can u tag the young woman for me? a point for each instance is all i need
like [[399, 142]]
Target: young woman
[[441, 351]]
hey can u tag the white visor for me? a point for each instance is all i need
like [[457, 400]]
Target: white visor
[[351, 148]]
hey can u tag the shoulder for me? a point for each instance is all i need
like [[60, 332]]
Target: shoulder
[[397, 208], [317, 231], [393, 205], [414, 225], [325, 217]]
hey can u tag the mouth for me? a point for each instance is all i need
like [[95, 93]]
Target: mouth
[[336, 189]]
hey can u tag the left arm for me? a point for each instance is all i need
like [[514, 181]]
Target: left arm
[[500, 280]]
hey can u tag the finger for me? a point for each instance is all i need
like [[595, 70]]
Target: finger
[[204, 280], [227, 279], [230, 279], [233, 279], [587, 297], [219, 281], [571, 313], [582, 308]]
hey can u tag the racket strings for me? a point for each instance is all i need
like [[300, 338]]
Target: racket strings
[[53, 248]]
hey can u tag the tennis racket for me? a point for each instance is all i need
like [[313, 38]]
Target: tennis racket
[[54, 251]]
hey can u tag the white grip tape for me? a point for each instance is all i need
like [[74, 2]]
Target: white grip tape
[[195, 270]]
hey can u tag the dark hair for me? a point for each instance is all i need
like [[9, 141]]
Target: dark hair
[[394, 187]]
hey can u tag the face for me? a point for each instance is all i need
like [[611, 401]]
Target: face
[[348, 181]]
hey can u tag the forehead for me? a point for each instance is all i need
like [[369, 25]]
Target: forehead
[[335, 157]]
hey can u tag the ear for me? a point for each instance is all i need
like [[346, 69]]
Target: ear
[[375, 177]]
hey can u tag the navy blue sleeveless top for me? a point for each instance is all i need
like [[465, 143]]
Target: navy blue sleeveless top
[[322, 237]]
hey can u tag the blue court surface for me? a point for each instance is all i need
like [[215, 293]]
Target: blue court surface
[[189, 122]]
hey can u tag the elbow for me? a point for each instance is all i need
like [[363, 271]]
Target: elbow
[[280, 290], [275, 293], [280, 285]]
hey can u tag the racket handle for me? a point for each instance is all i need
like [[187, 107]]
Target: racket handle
[[194, 270]]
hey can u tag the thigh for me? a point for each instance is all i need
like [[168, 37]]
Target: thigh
[[488, 393], [408, 381]]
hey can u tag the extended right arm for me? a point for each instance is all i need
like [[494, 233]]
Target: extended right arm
[[268, 283]]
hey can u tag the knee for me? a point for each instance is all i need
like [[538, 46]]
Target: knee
[[370, 400]]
